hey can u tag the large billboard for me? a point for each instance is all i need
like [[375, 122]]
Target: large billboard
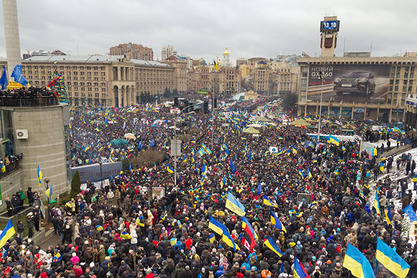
[[349, 83]]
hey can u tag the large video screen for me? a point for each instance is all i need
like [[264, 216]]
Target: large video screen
[[349, 83]]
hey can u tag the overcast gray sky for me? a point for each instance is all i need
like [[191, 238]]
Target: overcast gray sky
[[199, 28]]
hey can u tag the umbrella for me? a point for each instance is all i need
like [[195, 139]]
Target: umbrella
[[130, 136], [251, 130], [118, 142]]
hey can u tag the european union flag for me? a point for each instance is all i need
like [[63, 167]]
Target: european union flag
[[152, 143], [3, 80], [140, 145], [18, 76]]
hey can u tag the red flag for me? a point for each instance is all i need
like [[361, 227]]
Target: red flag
[[52, 83]]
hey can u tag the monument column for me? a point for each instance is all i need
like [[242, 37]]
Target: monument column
[[11, 31]]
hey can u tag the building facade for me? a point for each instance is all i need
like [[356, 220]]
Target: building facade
[[168, 51], [180, 67], [262, 78], [133, 51], [411, 112], [363, 88], [108, 80]]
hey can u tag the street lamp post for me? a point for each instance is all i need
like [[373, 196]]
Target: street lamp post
[[174, 152], [321, 102], [49, 205], [101, 174]]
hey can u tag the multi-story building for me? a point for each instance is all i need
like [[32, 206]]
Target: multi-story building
[[133, 51], [223, 80], [108, 80], [262, 78], [411, 112], [168, 51], [180, 72], [241, 61], [285, 77], [229, 80], [356, 85]]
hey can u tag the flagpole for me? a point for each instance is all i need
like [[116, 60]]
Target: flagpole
[[321, 102]]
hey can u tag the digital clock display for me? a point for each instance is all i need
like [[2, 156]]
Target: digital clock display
[[329, 25]]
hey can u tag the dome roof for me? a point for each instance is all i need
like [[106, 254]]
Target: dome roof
[[226, 52]]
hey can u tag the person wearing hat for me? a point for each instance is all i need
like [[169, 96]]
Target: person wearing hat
[[29, 220]]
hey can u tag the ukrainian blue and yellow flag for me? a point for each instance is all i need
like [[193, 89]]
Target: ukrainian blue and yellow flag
[[357, 263], [216, 226], [391, 260], [376, 204], [309, 175], [268, 202], [49, 192], [299, 270], [333, 140], [270, 243], [294, 150], [7, 233], [227, 238], [267, 139], [39, 176], [184, 159], [169, 169], [381, 166], [415, 178], [234, 205], [212, 238], [276, 222], [301, 173], [388, 215], [204, 170]]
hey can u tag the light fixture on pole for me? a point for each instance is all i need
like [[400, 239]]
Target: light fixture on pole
[[321, 102]]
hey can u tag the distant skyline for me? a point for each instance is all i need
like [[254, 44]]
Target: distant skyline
[[202, 29]]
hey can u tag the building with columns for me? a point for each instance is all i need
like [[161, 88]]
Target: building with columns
[[108, 80]]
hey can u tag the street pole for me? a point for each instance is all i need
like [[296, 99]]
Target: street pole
[[212, 116], [321, 102], [101, 174], [49, 205], [175, 156]]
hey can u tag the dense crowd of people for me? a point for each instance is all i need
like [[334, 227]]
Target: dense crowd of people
[[28, 96], [323, 195]]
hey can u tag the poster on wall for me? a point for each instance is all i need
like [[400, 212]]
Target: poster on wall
[[349, 83]]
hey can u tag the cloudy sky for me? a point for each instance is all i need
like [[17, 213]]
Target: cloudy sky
[[199, 28]]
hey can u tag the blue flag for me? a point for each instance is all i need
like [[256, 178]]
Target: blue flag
[[140, 145], [153, 142], [232, 167], [259, 188], [3, 80], [18, 76]]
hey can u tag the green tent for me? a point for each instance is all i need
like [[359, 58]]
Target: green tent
[[118, 142]]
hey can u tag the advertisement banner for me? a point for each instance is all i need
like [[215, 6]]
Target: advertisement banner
[[349, 83]]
